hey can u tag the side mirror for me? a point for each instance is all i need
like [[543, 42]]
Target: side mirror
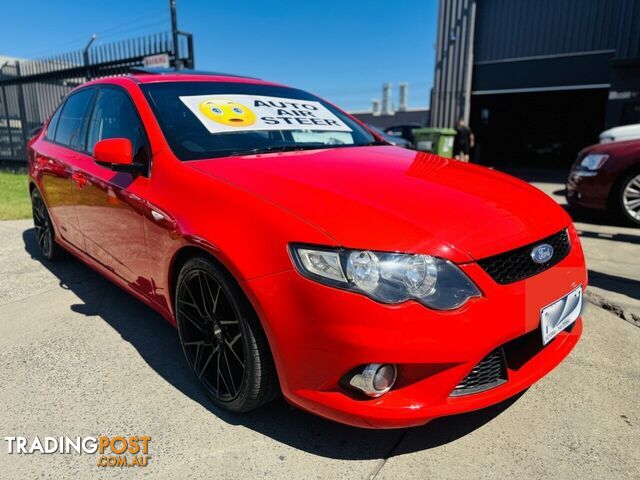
[[116, 154]]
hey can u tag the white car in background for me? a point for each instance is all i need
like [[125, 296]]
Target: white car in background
[[618, 134]]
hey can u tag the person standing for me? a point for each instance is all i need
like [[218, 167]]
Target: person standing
[[463, 141]]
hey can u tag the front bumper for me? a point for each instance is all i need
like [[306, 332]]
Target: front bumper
[[588, 189], [318, 333]]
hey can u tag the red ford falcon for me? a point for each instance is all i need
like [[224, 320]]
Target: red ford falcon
[[297, 252]]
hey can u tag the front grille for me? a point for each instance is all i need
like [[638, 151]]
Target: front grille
[[517, 264], [489, 373]]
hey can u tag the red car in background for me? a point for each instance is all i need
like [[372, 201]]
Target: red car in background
[[297, 253], [607, 176]]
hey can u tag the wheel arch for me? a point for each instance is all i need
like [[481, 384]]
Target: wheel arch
[[183, 255], [33, 185], [187, 252], [617, 185]]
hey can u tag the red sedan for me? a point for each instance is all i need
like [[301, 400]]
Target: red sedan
[[296, 252], [606, 176]]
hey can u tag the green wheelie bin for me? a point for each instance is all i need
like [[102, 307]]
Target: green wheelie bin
[[435, 140]]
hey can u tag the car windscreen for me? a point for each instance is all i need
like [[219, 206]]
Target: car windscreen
[[216, 119]]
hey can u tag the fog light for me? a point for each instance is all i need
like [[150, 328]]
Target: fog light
[[375, 379]]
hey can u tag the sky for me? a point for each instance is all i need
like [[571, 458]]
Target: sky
[[340, 50]]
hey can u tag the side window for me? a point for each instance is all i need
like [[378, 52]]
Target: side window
[[72, 123], [114, 116], [51, 128]]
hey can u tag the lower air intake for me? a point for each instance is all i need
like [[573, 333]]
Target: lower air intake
[[489, 373]]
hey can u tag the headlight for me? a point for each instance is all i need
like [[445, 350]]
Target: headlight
[[387, 277], [593, 161]]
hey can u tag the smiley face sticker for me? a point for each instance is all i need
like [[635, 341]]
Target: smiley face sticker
[[227, 112], [239, 112]]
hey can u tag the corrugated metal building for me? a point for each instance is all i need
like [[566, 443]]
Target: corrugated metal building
[[537, 79]]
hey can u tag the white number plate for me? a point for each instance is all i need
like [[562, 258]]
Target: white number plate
[[560, 314]]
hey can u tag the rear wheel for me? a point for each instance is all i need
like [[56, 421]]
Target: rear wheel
[[45, 234], [222, 338], [629, 198]]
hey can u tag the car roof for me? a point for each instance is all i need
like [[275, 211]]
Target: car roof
[[142, 76], [155, 75], [184, 71]]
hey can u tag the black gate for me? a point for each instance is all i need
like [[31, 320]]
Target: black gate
[[30, 90]]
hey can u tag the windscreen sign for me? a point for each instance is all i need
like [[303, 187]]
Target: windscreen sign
[[232, 113]]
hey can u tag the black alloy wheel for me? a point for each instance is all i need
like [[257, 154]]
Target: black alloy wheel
[[222, 338], [45, 234]]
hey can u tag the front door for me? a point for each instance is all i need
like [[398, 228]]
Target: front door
[[109, 209]]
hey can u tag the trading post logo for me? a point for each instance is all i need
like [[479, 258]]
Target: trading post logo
[[112, 451]]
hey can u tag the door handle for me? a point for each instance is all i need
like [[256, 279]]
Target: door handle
[[79, 179]]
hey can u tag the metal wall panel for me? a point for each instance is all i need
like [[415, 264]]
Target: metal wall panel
[[454, 58], [524, 28], [481, 34], [543, 73]]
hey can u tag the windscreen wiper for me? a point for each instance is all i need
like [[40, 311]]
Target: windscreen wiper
[[279, 148], [295, 148]]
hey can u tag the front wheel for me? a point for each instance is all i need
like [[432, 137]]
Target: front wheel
[[45, 234], [629, 198], [222, 338]]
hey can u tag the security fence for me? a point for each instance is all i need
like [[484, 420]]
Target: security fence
[[31, 89]]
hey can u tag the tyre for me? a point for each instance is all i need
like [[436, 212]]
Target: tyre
[[628, 202], [222, 338], [45, 235]]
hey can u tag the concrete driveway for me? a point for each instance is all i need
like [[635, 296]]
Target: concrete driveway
[[81, 357]]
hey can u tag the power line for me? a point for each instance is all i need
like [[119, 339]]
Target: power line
[[108, 32], [147, 16], [137, 28]]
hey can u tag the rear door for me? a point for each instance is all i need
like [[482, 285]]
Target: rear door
[[110, 211], [55, 157]]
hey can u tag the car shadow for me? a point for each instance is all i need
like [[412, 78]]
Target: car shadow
[[615, 237], [593, 217], [615, 283], [157, 343], [537, 175]]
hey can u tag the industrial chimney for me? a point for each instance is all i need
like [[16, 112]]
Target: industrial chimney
[[375, 107], [386, 99], [403, 94]]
